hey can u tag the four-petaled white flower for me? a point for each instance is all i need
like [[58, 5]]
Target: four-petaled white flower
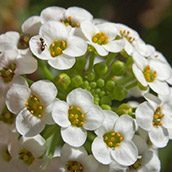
[[32, 106], [77, 115], [152, 73], [73, 159], [25, 153], [102, 37], [113, 141], [155, 117], [56, 45]]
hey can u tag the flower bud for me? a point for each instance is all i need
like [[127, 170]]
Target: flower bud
[[105, 100], [110, 85], [90, 76], [100, 83], [118, 68], [62, 81], [105, 107], [124, 109], [100, 68], [119, 92], [93, 84], [76, 81]]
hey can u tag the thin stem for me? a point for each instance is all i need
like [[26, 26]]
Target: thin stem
[[110, 58], [45, 70], [91, 62], [124, 80], [133, 84]]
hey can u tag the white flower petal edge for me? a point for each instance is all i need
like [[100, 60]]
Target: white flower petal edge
[[74, 136]]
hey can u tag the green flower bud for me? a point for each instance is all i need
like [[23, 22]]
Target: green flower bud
[[110, 85], [90, 76], [98, 90], [100, 68], [105, 100], [124, 109], [62, 81], [118, 68], [93, 84], [100, 83], [102, 93], [119, 92], [85, 84], [76, 81], [105, 107]]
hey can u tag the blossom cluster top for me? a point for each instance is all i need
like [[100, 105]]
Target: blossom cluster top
[[79, 94]]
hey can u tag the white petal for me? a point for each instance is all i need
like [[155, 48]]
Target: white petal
[[126, 154], [74, 136], [35, 46], [94, 118], [109, 29], [100, 151], [139, 75], [163, 70], [114, 46], [27, 124], [150, 162], [125, 125], [99, 48], [26, 64], [60, 113], [78, 14], [62, 62], [21, 94], [88, 29], [36, 144], [128, 47], [48, 114], [167, 120], [139, 60], [144, 116], [76, 46], [45, 91], [53, 30], [153, 100], [160, 87], [71, 153], [52, 13], [140, 144], [81, 98], [159, 136], [32, 25]]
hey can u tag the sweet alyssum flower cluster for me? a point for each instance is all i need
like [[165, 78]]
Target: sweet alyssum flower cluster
[[100, 99]]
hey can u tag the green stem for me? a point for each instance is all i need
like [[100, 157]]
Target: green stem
[[29, 81], [110, 58], [45, 70], [48, 131], [124, 80], [133, 84], [91, 62]]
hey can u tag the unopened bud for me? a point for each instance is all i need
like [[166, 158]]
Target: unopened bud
[[100, 68], [119, 92], [118, 68], [62, 81]]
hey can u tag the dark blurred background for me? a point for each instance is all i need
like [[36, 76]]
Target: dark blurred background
[[151, 18]]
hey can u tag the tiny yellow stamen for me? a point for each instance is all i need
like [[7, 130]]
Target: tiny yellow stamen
[[71, 115], [110, 144], [76, 121], [160, 123], [94, 39], [70, 18], [77, 25], [35, 99], [82, 115], [40, 107], [39, 115], [117, 144], [76, 115], [163, 115], [121, 138], [128, 32], [113, 133], [26, 104], [53, 53], [71, 108], [78, 109], [52, 45], [106, 138], [31, 96], [118, 134], [81, 123], [32, 112]]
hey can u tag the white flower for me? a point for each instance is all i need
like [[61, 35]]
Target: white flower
[[32, 106], [155, 117], [12, 65], [152, 73], [71, 17], [77, 115], [26, 152], [130, 37], [73, 159], [32, 25], [56, 45], [102, 37], [113, 141]]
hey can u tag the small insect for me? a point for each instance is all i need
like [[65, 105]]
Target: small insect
[[42, 44]]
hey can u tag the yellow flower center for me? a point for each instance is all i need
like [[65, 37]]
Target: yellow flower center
[[149, 74], [7, 117], [126, 34], [34, 106], [112, 139], [26, 156], [158, 116], [57, 47], [7, 73], [100, 38], [75, 116], [74, 166], [68, 21]]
